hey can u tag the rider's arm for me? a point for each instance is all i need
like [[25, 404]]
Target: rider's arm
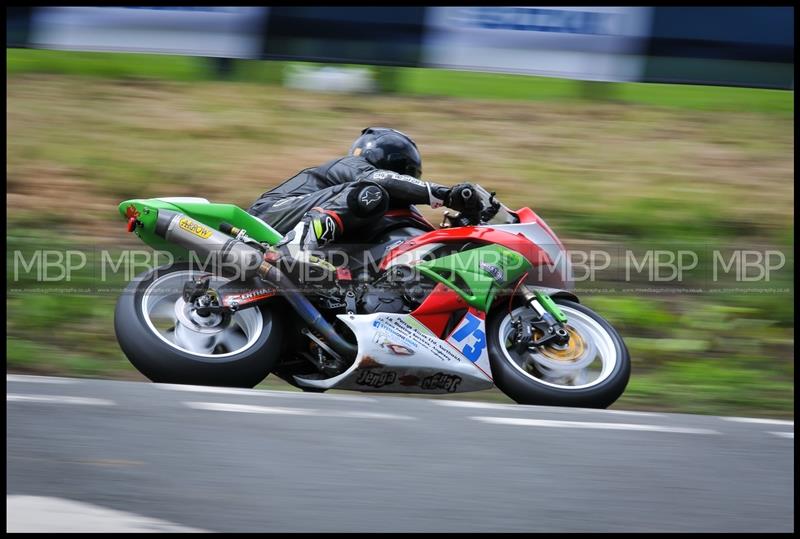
[[405, 189], [402, 189]]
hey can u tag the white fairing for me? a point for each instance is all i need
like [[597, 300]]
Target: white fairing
[[398, 354]]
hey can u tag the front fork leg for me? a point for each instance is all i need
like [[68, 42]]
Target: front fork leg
[[550, 322]]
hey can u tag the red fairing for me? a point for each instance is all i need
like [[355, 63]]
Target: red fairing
[[527, 215], [434, 312], [515, 242]]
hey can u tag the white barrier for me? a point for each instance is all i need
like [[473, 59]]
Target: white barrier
[[225, 32], [588, 43]]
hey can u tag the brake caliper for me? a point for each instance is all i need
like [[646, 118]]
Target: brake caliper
[[192, 290], [204, 300], [549, 323]]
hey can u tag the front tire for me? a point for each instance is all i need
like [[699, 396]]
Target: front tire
[[239, 353], [590, 372]]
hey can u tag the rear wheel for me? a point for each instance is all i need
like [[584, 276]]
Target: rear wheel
[[591, 371], [168, 341]]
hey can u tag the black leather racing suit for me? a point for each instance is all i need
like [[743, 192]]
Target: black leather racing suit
[[342, 195]]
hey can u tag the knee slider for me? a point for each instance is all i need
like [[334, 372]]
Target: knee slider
[[368, 199]]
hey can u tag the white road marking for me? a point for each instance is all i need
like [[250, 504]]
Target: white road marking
[[259, 392], [32, 514], [252, 409], [57, 399], [39, 379], [248, 408], [759, 421], [473, 404], [789, 435], [365, 415], [588, 425], [291, 394], [525, 408], [613, 412]]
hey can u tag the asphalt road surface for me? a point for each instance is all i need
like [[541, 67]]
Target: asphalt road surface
[[92, 455]]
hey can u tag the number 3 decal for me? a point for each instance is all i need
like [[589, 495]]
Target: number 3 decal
[[471, 327]]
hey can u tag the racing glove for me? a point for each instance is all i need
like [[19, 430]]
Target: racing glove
[[464, 198]]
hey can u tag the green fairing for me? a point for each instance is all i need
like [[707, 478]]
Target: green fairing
[[211, 215], [483, 271]]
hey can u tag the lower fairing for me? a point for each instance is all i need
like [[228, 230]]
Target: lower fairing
[[398, 354]]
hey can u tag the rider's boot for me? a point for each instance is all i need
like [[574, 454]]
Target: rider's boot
[[294, 255]]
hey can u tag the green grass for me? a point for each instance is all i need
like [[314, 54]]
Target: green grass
[[709, 97], [707, 387], [409, 81], [102, 64]]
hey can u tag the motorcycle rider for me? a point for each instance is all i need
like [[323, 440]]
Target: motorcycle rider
[[381, 171]]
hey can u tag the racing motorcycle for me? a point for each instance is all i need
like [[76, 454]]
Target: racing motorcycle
[[484, 300]]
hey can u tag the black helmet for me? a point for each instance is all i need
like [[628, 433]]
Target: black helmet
[[388, 149]]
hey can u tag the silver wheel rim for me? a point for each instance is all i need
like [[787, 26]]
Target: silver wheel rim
[[593, 367], [172, 321]]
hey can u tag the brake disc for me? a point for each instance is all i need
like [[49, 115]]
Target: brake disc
[[577, 354]]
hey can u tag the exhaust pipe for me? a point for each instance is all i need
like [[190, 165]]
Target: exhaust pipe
[[229, 255], [225, 254], [307, 311]]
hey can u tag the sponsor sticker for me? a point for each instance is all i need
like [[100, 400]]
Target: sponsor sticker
[[381, 338], [253, 295], [195, 228], [376, 379], [440, 380], [496, 272], [131, 212]]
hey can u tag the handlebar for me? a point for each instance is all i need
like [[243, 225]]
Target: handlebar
[[490, 207]]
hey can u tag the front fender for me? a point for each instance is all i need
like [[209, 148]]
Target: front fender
[[559, 293]]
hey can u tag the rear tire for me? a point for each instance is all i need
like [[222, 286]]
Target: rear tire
[[527, 389], [162, 362]]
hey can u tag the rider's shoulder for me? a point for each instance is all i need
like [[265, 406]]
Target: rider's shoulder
[[349, 164]]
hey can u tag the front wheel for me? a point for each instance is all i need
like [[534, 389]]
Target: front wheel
[[168, 342], [590, 371]]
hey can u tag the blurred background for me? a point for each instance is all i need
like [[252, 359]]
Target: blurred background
[[635, 128]]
